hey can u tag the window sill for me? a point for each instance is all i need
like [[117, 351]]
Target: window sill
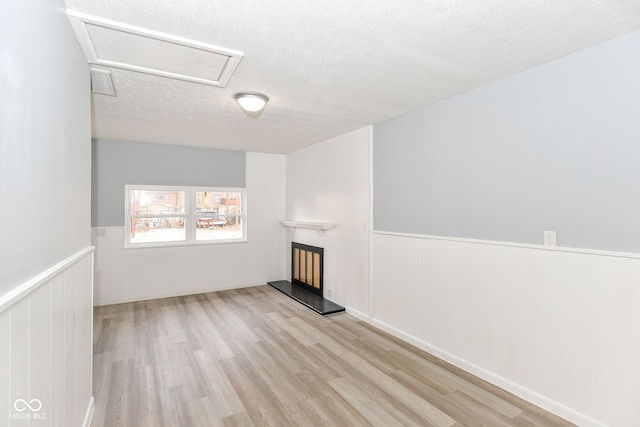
[[182, 244]]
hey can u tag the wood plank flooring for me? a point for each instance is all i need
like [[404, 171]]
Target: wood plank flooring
[[254, 357]]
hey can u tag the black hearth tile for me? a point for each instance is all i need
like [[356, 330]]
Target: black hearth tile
[[315, 302]]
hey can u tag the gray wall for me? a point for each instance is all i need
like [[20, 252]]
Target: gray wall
[[45, 141], [118, 163], [553, 148]]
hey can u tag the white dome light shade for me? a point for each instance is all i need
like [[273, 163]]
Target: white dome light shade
[[251, 102]]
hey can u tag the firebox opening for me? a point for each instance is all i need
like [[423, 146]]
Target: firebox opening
[[307, 266], [306, 280]]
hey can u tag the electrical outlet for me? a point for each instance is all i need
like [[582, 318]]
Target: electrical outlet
[[329, 293], [549, 238]]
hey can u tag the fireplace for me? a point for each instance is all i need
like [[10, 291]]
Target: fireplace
[[307, 266], [306, 279]]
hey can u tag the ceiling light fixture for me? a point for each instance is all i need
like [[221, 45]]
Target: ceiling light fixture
[[251, 103]]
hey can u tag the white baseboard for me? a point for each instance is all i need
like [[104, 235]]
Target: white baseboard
[[89, 415], [520, 391], [181, 293], [358, 314]]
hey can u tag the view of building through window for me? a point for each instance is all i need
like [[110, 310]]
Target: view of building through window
[[183, 214], [218, 215]]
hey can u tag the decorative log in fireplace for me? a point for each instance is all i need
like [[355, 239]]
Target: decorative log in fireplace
[[307, 266]]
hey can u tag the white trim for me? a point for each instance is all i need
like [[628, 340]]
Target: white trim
[[16, 294], [181, 293], [370, 219], [358, 314], [631, 255], [89, 414], [523, 392], [179, 243], [79, 23], [189, 216]]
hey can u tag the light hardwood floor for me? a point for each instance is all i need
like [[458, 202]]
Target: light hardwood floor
[[254, 357]]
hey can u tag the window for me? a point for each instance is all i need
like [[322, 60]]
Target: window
[[160, 216]]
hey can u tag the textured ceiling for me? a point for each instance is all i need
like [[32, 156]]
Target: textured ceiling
[[333, 66]]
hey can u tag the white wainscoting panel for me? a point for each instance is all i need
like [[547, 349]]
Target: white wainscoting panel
[[401, 293], [46, 327], [557, 326]]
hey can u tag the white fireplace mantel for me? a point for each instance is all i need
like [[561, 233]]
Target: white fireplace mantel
[[320, 226]]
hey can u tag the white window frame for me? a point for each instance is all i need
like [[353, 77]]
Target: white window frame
[[189, 215]]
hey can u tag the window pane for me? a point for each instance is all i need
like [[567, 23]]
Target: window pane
[[160, 229], [154, 202], [157, 216], [218, 215]]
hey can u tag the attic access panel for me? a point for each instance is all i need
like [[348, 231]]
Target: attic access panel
[[123, 46]]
